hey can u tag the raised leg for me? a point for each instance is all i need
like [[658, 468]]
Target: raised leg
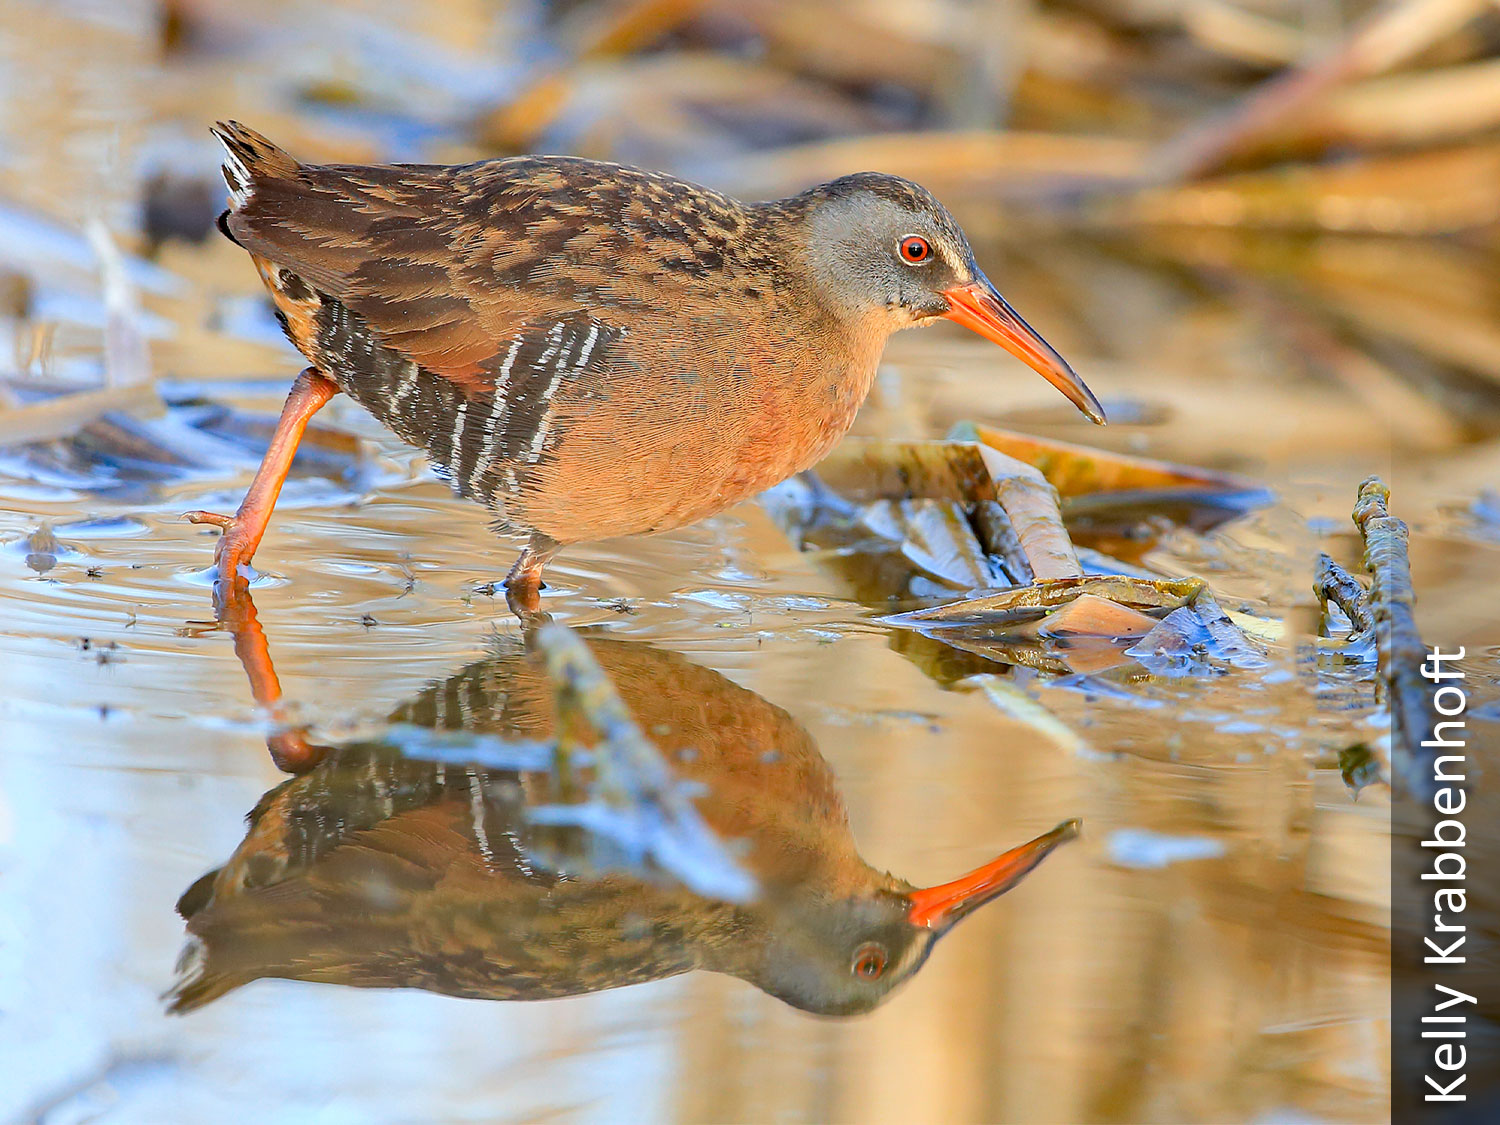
[[523, 585], [244, 529]]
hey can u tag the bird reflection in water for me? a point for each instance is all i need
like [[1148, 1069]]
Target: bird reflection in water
[[423, 860]]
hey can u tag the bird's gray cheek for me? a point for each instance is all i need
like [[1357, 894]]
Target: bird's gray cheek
[[929, 305], [911, 298]]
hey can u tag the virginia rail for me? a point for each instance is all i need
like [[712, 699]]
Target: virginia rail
[[588, 349], [377, 868]]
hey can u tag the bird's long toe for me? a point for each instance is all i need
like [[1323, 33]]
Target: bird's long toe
[[213, 519], [235, 546]]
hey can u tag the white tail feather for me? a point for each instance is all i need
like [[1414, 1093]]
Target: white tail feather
[[236, 175]]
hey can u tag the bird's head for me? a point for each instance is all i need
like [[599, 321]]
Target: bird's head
[[843, 956], [880, 244]]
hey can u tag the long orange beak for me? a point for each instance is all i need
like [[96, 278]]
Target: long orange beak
[[979, 307], [938, 908]]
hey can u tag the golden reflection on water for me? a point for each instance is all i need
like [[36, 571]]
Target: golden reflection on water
[[1243, 985]]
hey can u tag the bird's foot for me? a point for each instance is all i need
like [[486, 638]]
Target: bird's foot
[[236, 545]]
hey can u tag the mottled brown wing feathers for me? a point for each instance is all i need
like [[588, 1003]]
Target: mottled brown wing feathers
[[450, 266], [404, 247]]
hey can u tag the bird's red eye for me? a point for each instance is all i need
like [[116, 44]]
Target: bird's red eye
[[869, 961], [914, 248]]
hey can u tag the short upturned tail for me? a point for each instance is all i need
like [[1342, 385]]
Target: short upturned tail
[[198, 981], [249, 159]]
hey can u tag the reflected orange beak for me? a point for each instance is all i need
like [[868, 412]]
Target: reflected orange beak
[[938, 908], [979, 307]]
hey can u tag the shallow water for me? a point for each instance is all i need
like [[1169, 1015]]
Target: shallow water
[[1214, 946], [1226, 891]]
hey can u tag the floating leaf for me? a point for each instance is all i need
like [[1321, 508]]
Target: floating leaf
[[1007, 604], [1102, 486], [868, 469], [1188, 640], [1089, 615], [1076, 470], [936, 536]]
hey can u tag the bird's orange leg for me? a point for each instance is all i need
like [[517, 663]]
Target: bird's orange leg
[[244, 529]]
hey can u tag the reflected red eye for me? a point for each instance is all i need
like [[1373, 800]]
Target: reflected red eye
[[914, 248], [869, 961]]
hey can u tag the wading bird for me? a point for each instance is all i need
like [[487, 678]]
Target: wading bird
[[588, 349]]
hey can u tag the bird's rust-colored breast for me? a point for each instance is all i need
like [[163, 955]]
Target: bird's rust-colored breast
[[694, 419]]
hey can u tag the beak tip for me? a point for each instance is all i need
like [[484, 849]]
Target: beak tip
[[1088, 405], [938, 908], [979, 307]]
